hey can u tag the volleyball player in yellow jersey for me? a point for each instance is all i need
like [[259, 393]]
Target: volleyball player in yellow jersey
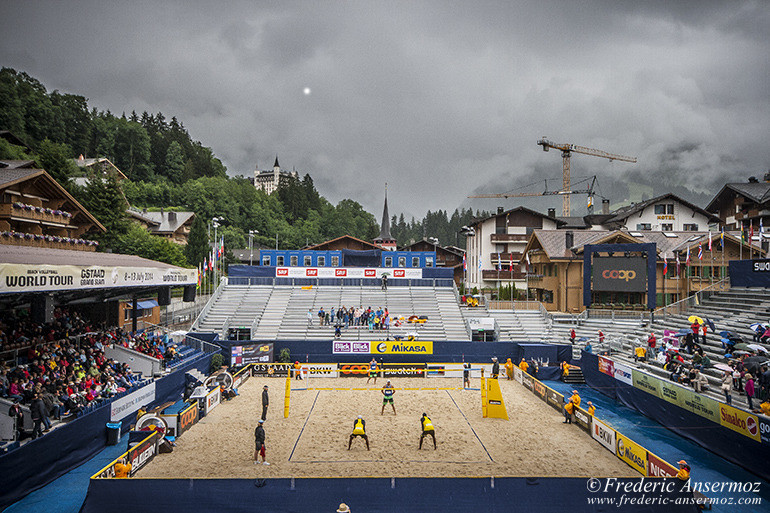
[[427, 429], [359, 429]]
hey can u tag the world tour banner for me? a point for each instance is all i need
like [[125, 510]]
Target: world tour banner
[[347, 272], [44, 278]]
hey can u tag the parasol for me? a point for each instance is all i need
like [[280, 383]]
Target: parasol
[[695, 318]]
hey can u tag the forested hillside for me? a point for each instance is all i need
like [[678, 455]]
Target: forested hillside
[[167, 169]]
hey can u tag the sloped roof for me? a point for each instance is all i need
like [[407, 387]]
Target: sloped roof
[[16, 164], [554, 244], [12, 176], [84, 162], [350, 237], [44, 256], [624, 213], [758, 192], [161, 222], [519, 209]]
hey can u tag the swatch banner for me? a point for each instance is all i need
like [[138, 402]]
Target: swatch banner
[[347, 272], [43, 278]]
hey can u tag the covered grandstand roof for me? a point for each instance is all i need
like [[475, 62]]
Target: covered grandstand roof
[[44, 256]]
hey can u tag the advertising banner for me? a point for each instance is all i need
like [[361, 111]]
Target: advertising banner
[[649, 384], [240, 377], [619, 274], [764, 430], [656, 467], [739, 421], [606, 366], [699, 404], [435, 370], [42, 278], [539, 389], [583, 419], [517, 374], [603, 434], [354, 370], [444, 370], [622, 373], [272, 369], [212, 400], [670, 392], [187, 418], [403, 370], [128, 404], [321, 370], [141, 454], [526, 380], [416, 347], [255, 353], [554, 399], [339, 347], [347, 272], [632, 453]]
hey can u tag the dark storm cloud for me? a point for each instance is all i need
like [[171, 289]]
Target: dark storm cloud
[[438, 99]]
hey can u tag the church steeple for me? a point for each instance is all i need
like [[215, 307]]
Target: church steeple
[[276, 165], [385, 239]]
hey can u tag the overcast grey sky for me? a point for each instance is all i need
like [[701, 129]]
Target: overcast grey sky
[[437, 98]]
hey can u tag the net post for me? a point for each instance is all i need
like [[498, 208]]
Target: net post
[[287, 395]]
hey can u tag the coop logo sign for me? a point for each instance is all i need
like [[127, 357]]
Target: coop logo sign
[[619, 275]]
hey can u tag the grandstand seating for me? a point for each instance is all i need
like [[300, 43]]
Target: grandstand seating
[[280, 312]]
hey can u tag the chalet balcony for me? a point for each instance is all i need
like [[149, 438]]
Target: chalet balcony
[[502, 275], [506, 257], [47, 241], [508, 237], [22, 212]]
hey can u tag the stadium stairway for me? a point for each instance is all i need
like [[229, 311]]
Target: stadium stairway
[[236, 306]]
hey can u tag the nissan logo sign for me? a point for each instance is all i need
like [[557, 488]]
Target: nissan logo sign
[[618, 275]]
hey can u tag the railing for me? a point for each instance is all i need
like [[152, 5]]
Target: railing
[[592, 313], [201, 345], [508, 237], [46, 241], [684, 305], [339, 282], [212, 300], [493, 275], [24, 211]]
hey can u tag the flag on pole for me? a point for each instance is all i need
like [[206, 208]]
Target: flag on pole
[[499, 262], [222, 247], [743, 233], [761, 230], [205, 266], [709, 240], [527, 255], [665, 264], [479, 263], [677, 264], [687, 260], [722, 238], [199, 275], [465, 264], [751, 230], [700, 251]]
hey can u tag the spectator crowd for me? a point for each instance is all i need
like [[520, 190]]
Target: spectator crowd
[[60, 368]]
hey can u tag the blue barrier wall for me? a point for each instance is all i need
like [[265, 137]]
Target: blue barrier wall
[[41, 461], [750, 273], [374, 495], [320, 351], [730, 445]]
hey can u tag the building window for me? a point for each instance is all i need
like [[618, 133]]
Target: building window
[[335, 261], [415, 261], [644, 226], [278, 260], [429, 261], [308, 261], [266, 260], [402, 261], [547, 296], [670, 208], [293, 260], [388, 261], [660, 209], [321, 261], [690, 227], [667, 227]]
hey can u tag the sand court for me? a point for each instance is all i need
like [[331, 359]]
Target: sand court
[[313, 440]]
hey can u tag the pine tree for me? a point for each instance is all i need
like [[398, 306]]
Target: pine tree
[[197, 243]]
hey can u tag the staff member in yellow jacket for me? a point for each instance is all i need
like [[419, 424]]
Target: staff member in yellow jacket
[[122, 469], [565, 369], [569, 408], [509, 369], [427, 430], [359, 429], [591, 408], [684, 470], [523, 365]]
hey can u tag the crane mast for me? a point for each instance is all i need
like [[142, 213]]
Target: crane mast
[[566, 151]]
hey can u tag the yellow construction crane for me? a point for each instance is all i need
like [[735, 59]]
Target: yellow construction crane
[[588, 190], [566, 150]]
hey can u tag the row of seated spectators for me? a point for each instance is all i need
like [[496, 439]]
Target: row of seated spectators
[[378, 318], [62, 369]]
